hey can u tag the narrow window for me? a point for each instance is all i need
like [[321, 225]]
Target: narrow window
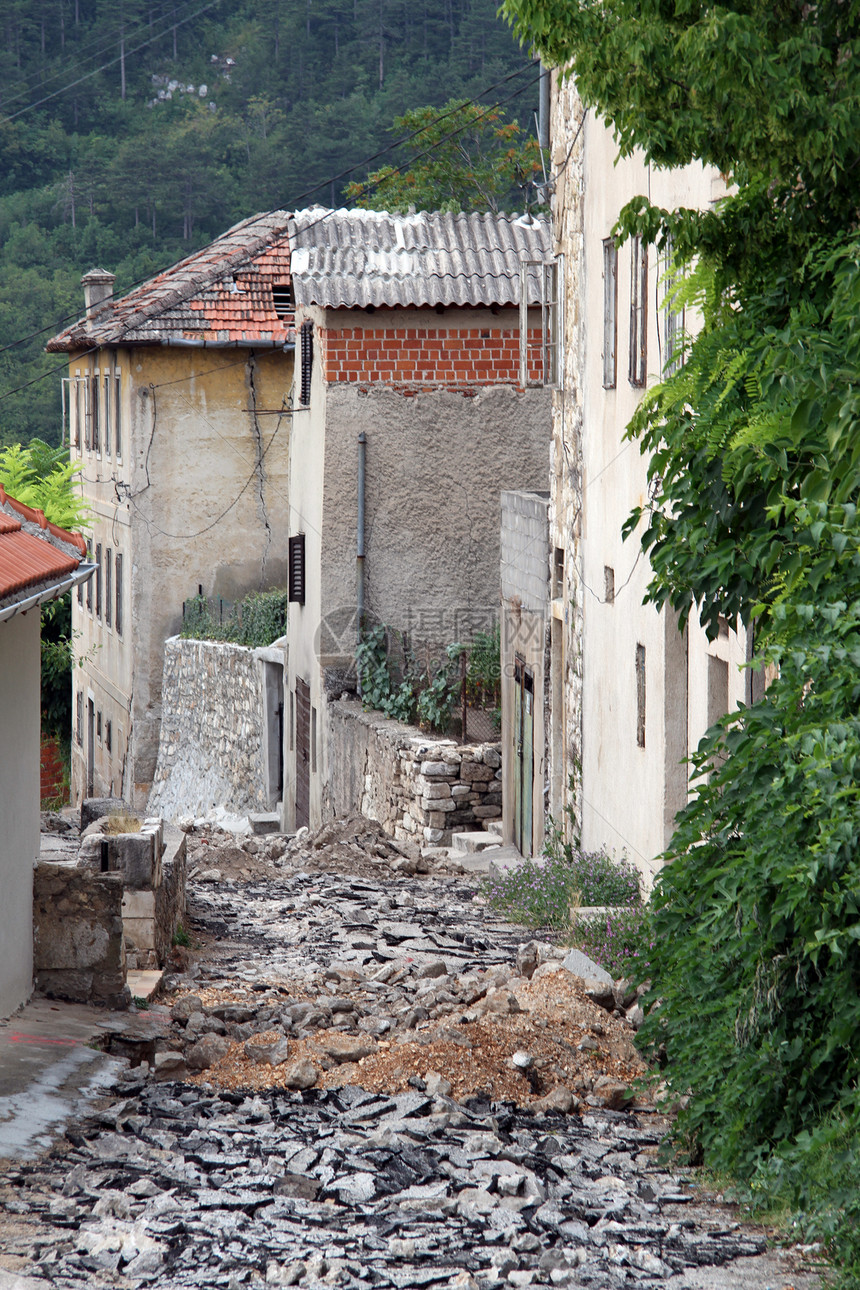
[[638, 311], [108, 586], [610, 313], [552, 322], [89, 580], [118, 578], [282, 297], [718, 688], [117, 414], [558, 572], [673, 318], [306, 335], [640, 695], [108, 735], [542, 280], [79, 718], [107, 436], [99, 726], [297, 569], [87, 412], [98, 580], [608, 585], [95, 386]]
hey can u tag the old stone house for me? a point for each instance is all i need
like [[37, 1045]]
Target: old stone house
[[410, 416], [178, 410], [627, 695], [38, 562]]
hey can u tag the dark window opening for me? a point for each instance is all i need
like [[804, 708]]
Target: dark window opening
[[96, 405], [108, 735], [108, 586], [79, 718], [99, 726], [89, 580], [637, 366], [608, 585], [98, 580], [640, 695], [557, 572], [282, 296], [297, 569], [118, 578]]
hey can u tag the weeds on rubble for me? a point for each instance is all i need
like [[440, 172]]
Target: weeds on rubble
[[116, 824], [619, 940], [180, 936]]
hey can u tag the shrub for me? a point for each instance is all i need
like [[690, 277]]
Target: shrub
[[256, 620], [620, 940]]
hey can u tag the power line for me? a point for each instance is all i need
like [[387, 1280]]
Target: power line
[[112, 63], [371, 186], [101, 44]]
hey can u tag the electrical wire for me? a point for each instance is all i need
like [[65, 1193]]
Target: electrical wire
[[101, 44], [325, 183], [127, 53]]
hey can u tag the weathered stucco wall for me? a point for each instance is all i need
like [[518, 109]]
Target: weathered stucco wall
[[419, 788], [19, 804], [212, 749], [205, 456]]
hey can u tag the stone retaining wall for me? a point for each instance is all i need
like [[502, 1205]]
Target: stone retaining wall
[[421, 789], [78, 942], [211, 745]]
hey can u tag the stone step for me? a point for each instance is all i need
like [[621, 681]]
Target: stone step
[[470, 842], [144, 984], [265, 822]]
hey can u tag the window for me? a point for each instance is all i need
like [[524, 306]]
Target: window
[[282, 296], [95, 388], [673, 319], [108, 586], [637, 365], [99, 726], [79, 718], [608, 585], [108, 735], [297, 569], [640, 695], [107, 388], [306, 342], [117, 618], [610, 313], [117, 414], [89, 580], [548, 352], [84, 405], [98, 580]]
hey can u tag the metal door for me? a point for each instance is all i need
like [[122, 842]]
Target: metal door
[[303, 753], [524, 719]]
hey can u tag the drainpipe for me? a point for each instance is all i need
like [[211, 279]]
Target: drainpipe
[[543, 114], [359, 560]]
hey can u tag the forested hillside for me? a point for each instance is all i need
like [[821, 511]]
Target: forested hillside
[[134, 131]]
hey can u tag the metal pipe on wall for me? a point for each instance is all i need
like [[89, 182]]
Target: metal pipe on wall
[[359, 554]]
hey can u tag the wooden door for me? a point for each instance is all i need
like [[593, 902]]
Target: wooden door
[[303, 753], [524, 718]]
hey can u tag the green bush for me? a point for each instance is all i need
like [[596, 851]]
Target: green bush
[[255, 621]]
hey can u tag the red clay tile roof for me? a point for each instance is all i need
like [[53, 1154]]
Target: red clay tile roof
[[221, 295], [29, 560]]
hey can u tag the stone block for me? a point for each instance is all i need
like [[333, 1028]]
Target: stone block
[[438, 804], [429, 788], [435, 769], [492, 757], [96, 808], [138, 904], [486, 812], [265, 822], [78, 941], [133, 856], [139, 934], [459, 791], [433, 836], [472, 771]]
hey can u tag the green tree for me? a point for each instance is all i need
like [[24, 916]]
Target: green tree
[[755, 443], [467, 158]]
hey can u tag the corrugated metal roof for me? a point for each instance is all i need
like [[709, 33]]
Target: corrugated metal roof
[[29, 559], [355, 258], [222, 295]]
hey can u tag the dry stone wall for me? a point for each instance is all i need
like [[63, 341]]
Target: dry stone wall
[[78, 942], [211, 745], [421, 789]]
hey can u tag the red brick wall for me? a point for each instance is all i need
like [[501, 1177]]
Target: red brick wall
[[51, 766], [438, 356]]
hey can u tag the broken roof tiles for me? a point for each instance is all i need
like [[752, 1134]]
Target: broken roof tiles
[[358, 258], [33, 552], [221, 295]]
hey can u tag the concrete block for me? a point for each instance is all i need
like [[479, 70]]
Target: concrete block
[[133, 856], [265, 822], [138, 904]]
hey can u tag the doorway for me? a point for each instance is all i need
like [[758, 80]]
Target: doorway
[[303, 753], [524, 757]]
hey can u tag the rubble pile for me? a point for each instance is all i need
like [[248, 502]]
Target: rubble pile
[[175, 1187]]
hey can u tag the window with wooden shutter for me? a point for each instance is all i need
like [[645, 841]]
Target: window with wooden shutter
[[638, 358], [610, 309], [117, 618], [297, 569], [306, 348]]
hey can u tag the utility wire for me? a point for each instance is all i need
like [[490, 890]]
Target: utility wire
[[371, 186], [112, 63], [101, 44]]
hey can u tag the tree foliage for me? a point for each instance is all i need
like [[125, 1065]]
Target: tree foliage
[[469, 159], [754, 458]]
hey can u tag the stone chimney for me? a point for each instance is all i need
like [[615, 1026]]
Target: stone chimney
[[98, 287]]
